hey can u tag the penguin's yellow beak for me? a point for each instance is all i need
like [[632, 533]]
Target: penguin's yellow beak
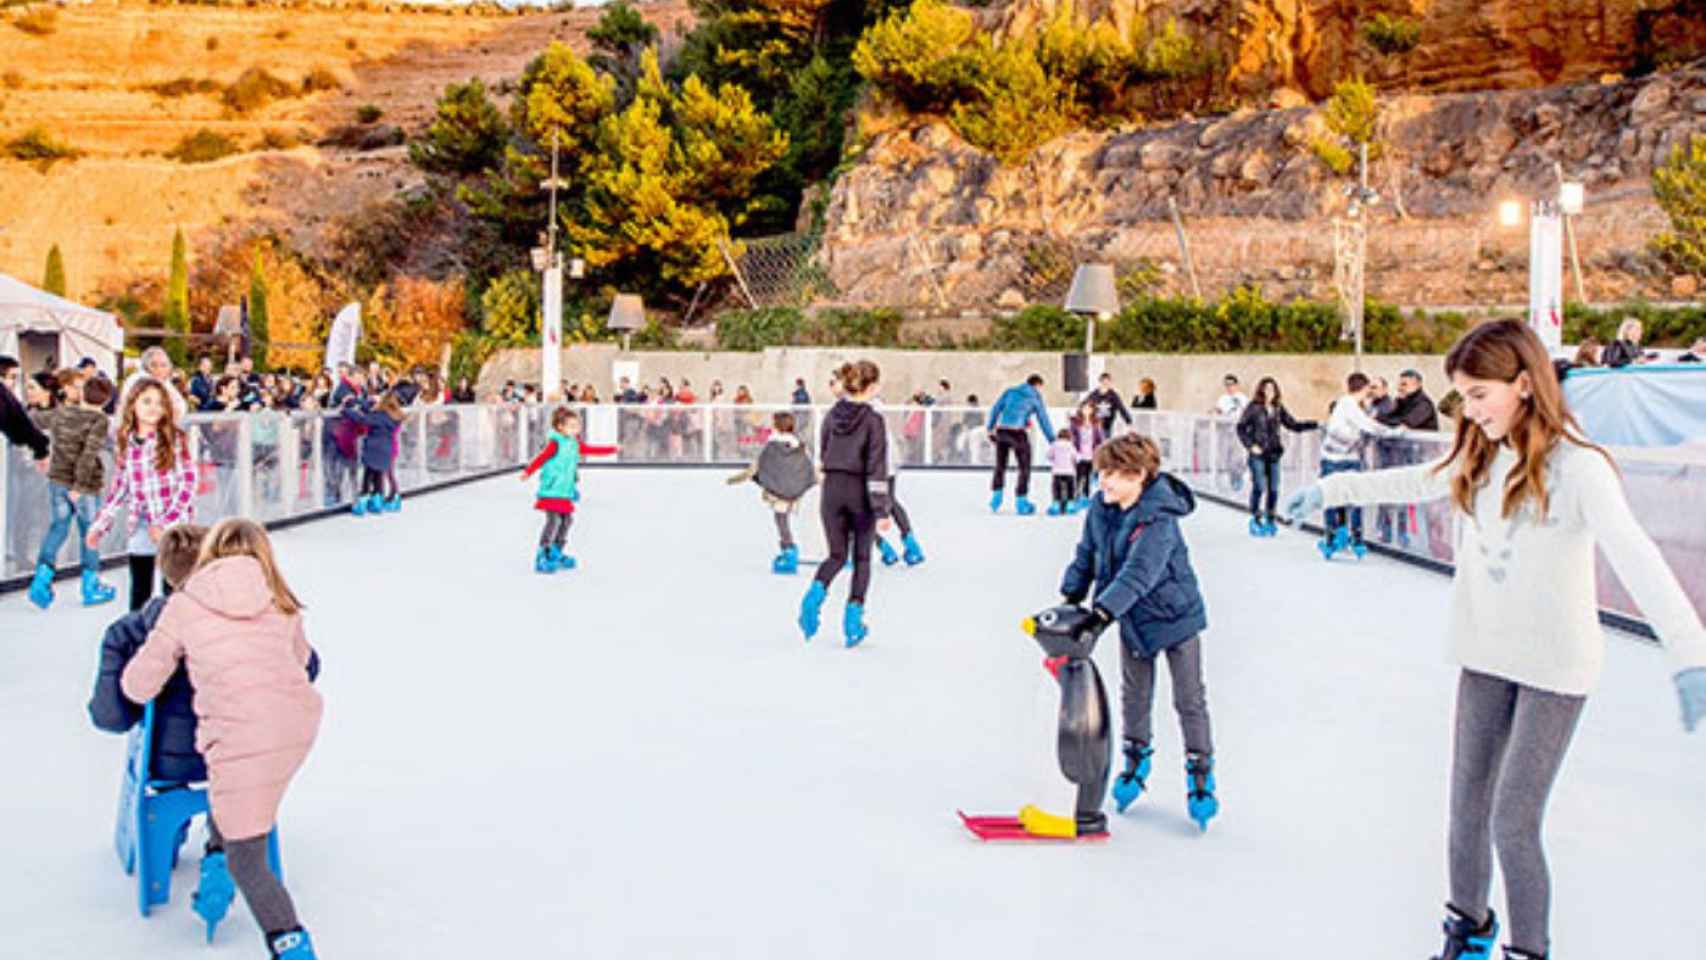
[[1029, 625]]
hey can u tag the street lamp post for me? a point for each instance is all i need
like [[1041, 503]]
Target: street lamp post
[[1095, 295], [549, 262]]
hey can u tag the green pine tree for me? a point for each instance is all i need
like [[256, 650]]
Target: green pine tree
[[258, 334], [177, 314], [54, 282]]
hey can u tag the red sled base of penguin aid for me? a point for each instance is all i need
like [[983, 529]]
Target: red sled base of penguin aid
[[1010, 829]]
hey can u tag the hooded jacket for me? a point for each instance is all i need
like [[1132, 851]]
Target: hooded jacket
[[256, 713], [855, 442], [1016, 406], [173, 755], [1137, 562], [79, 435]]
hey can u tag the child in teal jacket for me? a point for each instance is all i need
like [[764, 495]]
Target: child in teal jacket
[[558, 466]]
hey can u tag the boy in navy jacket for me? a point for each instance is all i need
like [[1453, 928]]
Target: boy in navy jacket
[[1133, 556]]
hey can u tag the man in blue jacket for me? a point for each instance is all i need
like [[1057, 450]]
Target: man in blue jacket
[[1009, 421]]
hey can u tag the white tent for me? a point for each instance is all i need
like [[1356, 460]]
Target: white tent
[[77, 331]]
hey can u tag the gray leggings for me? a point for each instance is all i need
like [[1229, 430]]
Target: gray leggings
[[783, 531], [556, 532], [1190, 695], [1510, 742], [263, 892]]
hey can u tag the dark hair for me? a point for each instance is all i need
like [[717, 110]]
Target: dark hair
[[561, 416], [96, 391], [1229, 379], [7, 364], [857, 376], [1264, 383], [1035, 379], [1356, 381], [1412, 374], [783, 422], [180, 548]]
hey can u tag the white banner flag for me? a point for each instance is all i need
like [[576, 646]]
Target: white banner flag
[[1546, 278], [346, 331], [551, 335]]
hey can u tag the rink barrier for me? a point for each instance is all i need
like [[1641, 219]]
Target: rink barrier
[[283, 469]]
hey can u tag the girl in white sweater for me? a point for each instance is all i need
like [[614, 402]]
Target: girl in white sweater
[[1536, 498]]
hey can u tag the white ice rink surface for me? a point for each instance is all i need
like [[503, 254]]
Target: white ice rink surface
[[642, 759]]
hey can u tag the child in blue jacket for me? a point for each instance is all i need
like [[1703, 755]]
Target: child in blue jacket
[[1134, 557], [378, 453]]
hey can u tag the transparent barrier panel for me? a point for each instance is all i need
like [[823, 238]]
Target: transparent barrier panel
[[273, 437], [215, 440]]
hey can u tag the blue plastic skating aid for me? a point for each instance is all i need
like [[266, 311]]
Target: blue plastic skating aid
[[853, 624], [95, 592], [1129, 786], [995, 502], [543, 561], [1199, 789], [41, 587], [1023, 506], [890, 557], [914, 554], [811, 609], [292, 945], [212, 898]]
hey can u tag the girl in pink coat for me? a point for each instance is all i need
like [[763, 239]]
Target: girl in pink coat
[[238, 629]]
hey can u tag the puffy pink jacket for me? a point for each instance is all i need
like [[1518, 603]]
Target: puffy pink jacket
[[256, 713]]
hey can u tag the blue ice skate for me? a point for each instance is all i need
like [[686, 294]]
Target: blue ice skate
[[543, 562], [1257, 527], [394, 504], [1130, 784], [1270, 527], [359, 507], [914, 554], [788, 561], [1023, 506], [1333, 541], [811, 609], [1079, 505], [1467, 940], [41, 587], [291, 945], [1199, 788], [1054, 509], [561, 560], [213, 896], [1358, 548], [853, 626], [95, 592], [995, 502], [890, 557]]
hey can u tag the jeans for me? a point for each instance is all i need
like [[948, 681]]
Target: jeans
[[67, 505], [1336, 515], [1264, 484]]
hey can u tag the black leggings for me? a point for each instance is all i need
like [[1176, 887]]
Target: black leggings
[[142, 581], [1017, 443], [379, 482], [1083, 469], [847, 519], [898, 512]]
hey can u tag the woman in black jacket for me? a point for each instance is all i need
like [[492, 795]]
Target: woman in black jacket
[[855, 498], [1259, 432]]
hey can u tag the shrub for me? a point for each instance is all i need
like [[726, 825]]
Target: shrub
[[1663, 326], [1392, 35], [272, 139], [368, 113], [757, 329], [1019, 105], [38, 146], [254, 89], [1333, 154], [509, 309], [1680, 188], [319, 79], [183, 87], [1353, 112], [1038, 327], [203, 146], [38, 22], [915, 55]]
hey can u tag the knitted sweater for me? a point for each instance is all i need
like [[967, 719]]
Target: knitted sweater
[[1523, 601]]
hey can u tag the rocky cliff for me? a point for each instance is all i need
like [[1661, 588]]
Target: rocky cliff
[[1258, 204]]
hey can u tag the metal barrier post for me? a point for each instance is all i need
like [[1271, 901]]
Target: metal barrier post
[[246, 466]]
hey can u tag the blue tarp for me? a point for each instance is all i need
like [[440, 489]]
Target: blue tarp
[[1651, 406]]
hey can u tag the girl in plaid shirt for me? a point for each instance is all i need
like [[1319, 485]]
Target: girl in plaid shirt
[[155, 478]]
